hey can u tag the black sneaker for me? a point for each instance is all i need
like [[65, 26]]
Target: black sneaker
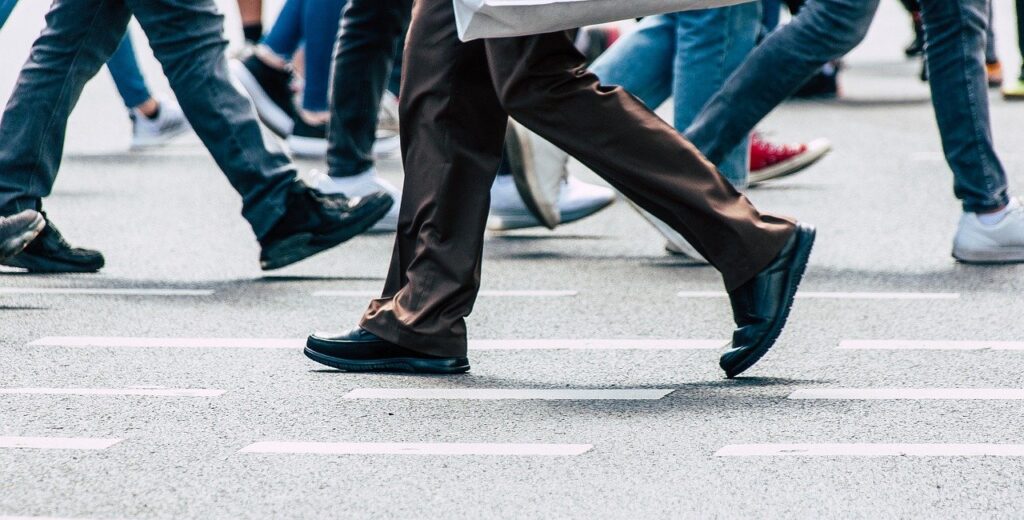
[[17, 231], [823, 85], [271, 92], [315, 222], [50, 253], [308, 140]]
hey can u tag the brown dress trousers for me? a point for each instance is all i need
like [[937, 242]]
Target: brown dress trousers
[[455, 103]]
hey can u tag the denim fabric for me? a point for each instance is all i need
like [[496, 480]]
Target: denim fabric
[[686, 56], [990, 39], [371, 35], [6, 6], [826, 30], [187, 38], [124, 68], [313, 24]]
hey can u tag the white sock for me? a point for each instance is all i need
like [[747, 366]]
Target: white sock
[[991, 219]]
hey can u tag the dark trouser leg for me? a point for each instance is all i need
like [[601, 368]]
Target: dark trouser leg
[[823, 31], [955, 50], [542, 84], [79, 37], [452, 131], [371, 32], [187, 38]]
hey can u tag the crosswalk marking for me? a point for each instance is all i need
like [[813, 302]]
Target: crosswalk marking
[[129, 342], [597, 344], [141, 391], [298, 343], [416, 448], [87, 291], [822, 295], [507, 293], [629, 394], [910, 393], [58, 443], [929, 345], [872, 450]]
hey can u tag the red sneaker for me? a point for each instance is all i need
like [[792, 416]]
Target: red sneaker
[[772, 161]]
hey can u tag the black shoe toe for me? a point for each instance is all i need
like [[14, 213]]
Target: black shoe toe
[[761, 306], [358, 350]]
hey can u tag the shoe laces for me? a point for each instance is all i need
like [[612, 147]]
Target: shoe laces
[[773, 149]]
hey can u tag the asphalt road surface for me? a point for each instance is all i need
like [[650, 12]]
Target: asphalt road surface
[[172, 384]]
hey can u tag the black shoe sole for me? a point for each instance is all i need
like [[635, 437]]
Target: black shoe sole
[[38, 264], [304, 245], [412, 365], [803, 252]]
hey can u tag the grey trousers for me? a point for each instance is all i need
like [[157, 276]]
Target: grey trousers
[[187, 38]]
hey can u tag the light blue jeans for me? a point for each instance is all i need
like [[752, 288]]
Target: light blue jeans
[[686, 56], [825, 30]]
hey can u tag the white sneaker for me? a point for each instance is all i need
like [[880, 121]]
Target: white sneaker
[[576, 200], [1003, 242], [388, 140], [167, 125], [539, 169], [365, 183], [674, 242]]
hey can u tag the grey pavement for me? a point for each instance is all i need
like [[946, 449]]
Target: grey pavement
[[167, 220]]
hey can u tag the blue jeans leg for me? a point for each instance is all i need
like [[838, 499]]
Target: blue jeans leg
[[124, 68], [686, 56], [712, 43], [823, 31], [955, 32], [285, 36], [6, 6]]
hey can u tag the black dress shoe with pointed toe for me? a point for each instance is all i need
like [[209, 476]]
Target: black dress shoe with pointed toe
[[358, 350], [761, 306]]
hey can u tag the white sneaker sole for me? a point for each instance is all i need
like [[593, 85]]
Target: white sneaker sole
[[271, 115], [526, 219], [1002, 255], [313, 148], [142, 143], [816, 150]]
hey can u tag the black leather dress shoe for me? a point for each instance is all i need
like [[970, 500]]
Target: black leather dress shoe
[[360, 351], [760, 307]]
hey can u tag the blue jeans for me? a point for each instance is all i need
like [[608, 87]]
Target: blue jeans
[[825, 30], [124, 68], [686, 56], [187, 37], [122, 65], [313, 23]]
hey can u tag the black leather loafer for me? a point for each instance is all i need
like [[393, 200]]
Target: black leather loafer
[[360, 351], [761, 306]]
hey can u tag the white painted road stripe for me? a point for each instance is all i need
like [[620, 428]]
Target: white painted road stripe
[[298, 343], [909, 393], [840, 295], [57, 443], [871, 450], [151, 392], [513, 293], [930, 345], [413, 448], [597, 344], [100, 341], [639, 394], [71, 291]]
